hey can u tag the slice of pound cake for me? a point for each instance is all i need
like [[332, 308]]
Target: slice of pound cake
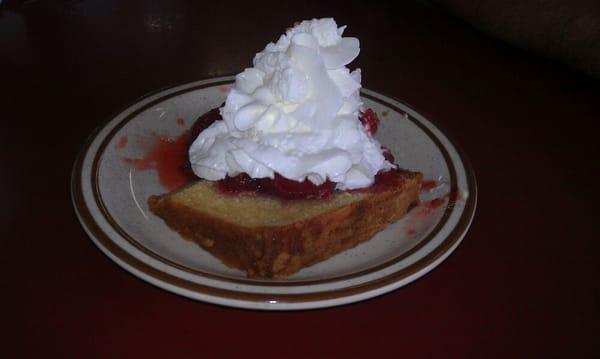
[[271, 237]]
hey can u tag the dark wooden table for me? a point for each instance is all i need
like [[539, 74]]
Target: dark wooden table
[[523, 283]]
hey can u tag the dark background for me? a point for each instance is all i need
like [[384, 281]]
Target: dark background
[[523, 283]]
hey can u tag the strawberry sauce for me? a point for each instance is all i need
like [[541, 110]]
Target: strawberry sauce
[[370, 121], [122, 142], [167, 157], [428, 185], [278, 186], [435, 203]]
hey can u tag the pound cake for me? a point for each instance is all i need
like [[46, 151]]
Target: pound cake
[[272, 238]]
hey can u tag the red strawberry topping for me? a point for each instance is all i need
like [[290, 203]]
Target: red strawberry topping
[[289, 189], [203, 122], [387, 154], [240, 183], [370, 120]]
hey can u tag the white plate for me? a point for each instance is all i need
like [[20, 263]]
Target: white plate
[[110, 198]]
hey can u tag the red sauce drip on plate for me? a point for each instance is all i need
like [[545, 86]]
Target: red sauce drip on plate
[[435, 203], [166, 157], [454, 196], [122, 142], [428, 185]]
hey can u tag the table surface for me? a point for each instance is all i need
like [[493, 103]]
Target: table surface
[[524, 282]]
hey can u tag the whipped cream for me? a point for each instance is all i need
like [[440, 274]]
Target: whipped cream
[[296, 113]]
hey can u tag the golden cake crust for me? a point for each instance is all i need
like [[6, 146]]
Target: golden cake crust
[[272, 238]]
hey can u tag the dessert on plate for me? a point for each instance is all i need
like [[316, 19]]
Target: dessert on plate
[[290, 173]]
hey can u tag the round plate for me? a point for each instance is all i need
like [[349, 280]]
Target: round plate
[[110, 198]]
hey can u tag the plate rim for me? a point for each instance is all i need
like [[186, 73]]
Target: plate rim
[[267, 301]]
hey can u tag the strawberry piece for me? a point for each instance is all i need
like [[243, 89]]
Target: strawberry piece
[[387, 154], [239, 183], [203, 122], [370, 121]]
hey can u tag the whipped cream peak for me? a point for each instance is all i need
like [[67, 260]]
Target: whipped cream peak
[[296, 113]]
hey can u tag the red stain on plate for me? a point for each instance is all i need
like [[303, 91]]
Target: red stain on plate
[[434, 203], [180, 122], [454, 196], [428, 185], [167, 156], [122, 142], [418, 217]]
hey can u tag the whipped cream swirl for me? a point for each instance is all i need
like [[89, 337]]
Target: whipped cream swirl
[[296, 113]]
